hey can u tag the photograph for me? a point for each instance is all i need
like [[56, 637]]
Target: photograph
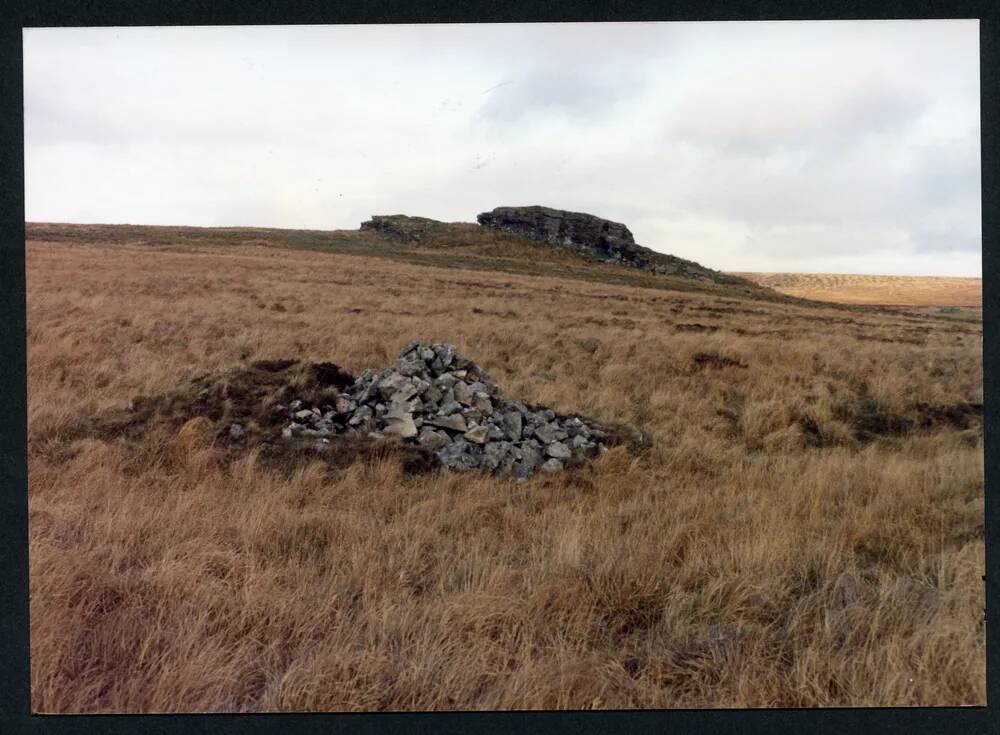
[[504, 367]]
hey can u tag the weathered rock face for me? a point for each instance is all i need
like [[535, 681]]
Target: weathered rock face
[[597, 238], [401, 226], [558, 227], [447, 404]]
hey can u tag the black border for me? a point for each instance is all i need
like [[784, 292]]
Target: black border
[[15, 714]]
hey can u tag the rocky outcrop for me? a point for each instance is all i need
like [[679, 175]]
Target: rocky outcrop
[[558, 227], [443, 402], [402, 227], [596, 238]]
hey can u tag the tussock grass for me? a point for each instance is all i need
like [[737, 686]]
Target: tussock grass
[[764, 551]]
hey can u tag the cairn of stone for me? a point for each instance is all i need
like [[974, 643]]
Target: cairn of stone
[[437, 399]]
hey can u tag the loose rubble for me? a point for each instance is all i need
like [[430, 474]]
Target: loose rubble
[[445, 403]]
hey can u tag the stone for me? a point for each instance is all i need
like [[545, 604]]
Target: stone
[[472, 416], [411, 345], [552, 465], [446, 380], [400, 406], [432, 439], [236, 431], [455, 422], [343, 404], [482, 403], [361, 414], [411, 367], [445, 354], [295, 405], [432, 394], [457, 456], [400, 425], [530, 455], [463, 393], [549, 433], [286, 433], [448, 406], [558, 450], [477, 434], [512, 422], [303, 415], [397, 384]]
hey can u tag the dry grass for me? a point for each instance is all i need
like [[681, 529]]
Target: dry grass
[[806, 531], [864, 289]]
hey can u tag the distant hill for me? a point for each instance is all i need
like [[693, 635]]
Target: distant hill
[[941, 291], [417, 240]]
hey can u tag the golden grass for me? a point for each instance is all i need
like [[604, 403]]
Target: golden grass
[[760, 555], [866, 289]]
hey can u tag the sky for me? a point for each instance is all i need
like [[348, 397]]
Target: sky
[[819, 146]]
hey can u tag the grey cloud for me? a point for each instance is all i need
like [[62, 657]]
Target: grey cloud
[[772, 121], [571, 92]]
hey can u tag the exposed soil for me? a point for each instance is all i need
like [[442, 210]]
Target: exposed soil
[[248, 395], [714, 360]]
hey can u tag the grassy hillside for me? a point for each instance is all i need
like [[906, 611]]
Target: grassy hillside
[[806, 529], [438, 244]]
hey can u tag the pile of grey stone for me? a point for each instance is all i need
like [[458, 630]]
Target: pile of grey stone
[[437, 399]]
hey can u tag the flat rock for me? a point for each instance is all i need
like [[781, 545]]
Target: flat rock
[[558, 450], [455, 422], [400, 425], [477, 434]]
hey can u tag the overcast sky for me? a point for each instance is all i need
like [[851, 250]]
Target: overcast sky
[[848, 147]]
